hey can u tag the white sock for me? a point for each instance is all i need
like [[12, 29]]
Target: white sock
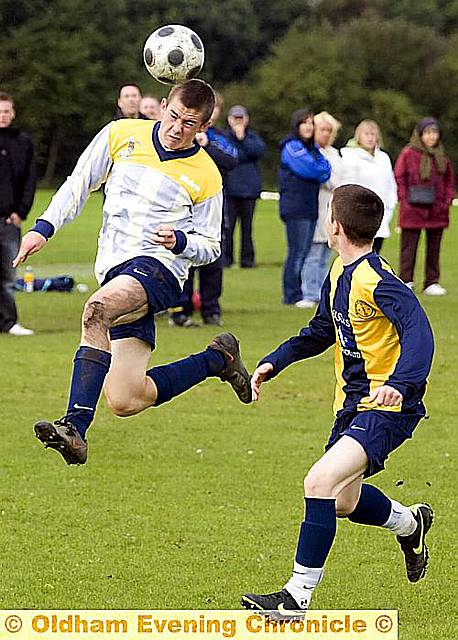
[[401, 520], [302, 583]]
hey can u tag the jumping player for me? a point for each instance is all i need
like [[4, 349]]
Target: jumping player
[[161, 215]]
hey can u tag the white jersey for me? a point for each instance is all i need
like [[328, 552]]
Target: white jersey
[[146, 185]]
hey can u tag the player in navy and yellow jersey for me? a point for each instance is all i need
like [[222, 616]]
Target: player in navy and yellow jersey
[[161, 215], [383, 354]]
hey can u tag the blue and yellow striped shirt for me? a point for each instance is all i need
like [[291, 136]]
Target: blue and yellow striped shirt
[[380, 331]]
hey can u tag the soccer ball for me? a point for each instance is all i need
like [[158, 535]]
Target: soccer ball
[[173, 54]]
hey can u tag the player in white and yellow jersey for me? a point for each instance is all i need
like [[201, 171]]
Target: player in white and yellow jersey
[[383, 353], [161, 215]]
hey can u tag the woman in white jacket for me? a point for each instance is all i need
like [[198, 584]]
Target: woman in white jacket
[[316, 264], [367, 165]]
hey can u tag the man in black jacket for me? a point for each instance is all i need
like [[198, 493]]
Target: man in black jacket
[[17, 189]]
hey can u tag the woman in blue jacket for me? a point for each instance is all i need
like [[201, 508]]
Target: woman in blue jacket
[[302, 169]]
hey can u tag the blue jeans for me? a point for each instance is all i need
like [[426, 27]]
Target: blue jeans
[[315, 270], [299, 236]]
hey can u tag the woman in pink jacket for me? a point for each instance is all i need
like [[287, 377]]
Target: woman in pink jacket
[[426, 188]]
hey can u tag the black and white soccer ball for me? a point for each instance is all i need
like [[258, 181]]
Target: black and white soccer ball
[[173, 54]]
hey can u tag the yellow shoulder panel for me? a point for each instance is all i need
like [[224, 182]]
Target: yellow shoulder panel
[[131, 142]]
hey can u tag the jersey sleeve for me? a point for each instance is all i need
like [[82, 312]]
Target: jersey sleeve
[[312, 340], [203, 242], [402, 308], [89, 173]]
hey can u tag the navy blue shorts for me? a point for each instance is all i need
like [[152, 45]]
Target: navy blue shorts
[[162, 290], [378, 432]]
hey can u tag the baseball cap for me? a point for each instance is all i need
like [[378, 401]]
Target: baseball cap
[[238, 111]]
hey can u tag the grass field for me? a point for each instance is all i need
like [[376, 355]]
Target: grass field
[[189, 505]]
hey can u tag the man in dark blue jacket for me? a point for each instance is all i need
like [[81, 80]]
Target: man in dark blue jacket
[[243, 185]]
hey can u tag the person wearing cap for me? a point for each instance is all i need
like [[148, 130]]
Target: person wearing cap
[[426, 188], [242, 186]]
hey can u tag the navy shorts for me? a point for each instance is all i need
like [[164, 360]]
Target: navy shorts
[[162, 290], [378, 432]]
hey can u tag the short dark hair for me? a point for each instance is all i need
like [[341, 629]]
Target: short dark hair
[[359, 211], [129, 84], [195, 94], [5, 97]]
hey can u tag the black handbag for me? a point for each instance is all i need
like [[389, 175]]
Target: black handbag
[[419, 194]]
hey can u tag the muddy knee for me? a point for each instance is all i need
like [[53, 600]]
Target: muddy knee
[[95, 315]]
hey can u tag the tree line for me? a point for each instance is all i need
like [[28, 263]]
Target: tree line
[[392, 61]]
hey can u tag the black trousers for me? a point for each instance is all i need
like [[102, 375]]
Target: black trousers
[[242, 208], [10, 237], [409, 245], [210, 289]]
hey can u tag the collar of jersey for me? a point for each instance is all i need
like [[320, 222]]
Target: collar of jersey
[[352, 265], [164, 154]]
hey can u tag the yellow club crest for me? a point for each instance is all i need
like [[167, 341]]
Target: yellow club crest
[[364, 310]]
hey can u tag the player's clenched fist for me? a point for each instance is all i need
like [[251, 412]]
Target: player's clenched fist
[[164, 235], [259, 376], [31, 243]]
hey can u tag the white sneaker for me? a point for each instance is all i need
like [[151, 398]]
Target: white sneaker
[[305, 304], [435, 290], [410, 285], [19, 330]]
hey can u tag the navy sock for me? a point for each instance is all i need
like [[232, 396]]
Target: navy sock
[[89, 371], [317, 532], [177, 377], [373, 507]]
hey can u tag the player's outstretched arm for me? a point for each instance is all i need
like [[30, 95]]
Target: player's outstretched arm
[[31, 243], [386, 396], [259, 376]]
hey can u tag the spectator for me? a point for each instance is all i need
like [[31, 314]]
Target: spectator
[[243, 185], [367, 165], [128, 105], [150, 107], [225, 155], [316, 263], [17, 189], [302, 170], [426, 188]]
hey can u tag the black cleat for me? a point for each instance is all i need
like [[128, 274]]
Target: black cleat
[[235, 372], [413, 546], [64, 438], [281, 603]]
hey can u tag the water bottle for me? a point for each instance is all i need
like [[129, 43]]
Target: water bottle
[[29, 279]]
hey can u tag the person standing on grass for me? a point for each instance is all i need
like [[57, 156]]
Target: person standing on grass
[[383, 354], [316, 263], [161, 215], [426, 188], [366, 164], [242, 186], [302, 169], [17, 190]]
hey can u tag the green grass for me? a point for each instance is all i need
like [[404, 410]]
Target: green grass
[[189, 505]]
